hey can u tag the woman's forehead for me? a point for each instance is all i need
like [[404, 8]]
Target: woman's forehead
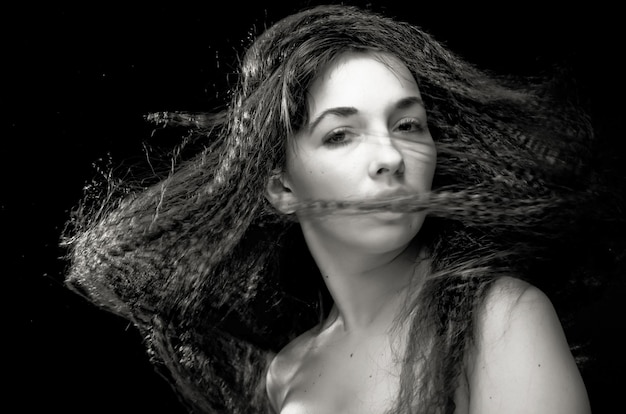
[[352, 61], [356, 78]]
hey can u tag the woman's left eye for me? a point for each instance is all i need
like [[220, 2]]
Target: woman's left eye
[[410, 125]]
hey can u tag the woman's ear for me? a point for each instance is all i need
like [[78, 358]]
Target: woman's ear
[[279, 194]]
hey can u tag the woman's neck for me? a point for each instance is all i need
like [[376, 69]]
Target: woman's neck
[[367, 288]]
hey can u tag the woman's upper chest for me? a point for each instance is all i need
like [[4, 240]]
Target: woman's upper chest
[[346, 375]]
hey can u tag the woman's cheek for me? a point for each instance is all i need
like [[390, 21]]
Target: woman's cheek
[[326, 180]]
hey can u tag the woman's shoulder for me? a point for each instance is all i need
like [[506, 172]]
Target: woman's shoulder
[[285, 365], [512, 307], [520, 346], [504, 297]]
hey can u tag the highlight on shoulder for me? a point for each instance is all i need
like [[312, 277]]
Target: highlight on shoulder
[[521, 361]]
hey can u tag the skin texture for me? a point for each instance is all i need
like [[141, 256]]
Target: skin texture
[[372, 146]]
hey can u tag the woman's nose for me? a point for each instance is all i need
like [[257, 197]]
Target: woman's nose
[[387, 160]]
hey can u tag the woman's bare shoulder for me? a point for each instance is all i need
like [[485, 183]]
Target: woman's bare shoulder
[[285, 365], [522, 362], [503, 296]]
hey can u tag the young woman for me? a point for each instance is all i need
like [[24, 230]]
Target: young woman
[[355, 233]]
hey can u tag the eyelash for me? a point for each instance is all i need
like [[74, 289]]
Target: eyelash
[[328, 140], [419, 126]]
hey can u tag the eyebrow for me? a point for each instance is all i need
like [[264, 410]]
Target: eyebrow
[[408, 102], [345, 111]]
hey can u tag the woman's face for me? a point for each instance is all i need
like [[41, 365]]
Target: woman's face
[[366, 138]]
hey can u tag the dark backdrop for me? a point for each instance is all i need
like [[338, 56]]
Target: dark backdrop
[[77, 82]]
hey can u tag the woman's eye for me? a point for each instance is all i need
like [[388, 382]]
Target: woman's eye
[[337, 137], [410, 125]]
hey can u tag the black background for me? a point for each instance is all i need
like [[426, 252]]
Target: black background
[[78, 80]]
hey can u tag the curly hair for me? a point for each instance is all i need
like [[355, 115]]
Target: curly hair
[[200, 261]]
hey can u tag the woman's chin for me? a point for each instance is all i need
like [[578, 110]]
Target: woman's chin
[[373, 233], [387, 231]]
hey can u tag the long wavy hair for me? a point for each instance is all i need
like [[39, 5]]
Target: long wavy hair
[[217, 281]]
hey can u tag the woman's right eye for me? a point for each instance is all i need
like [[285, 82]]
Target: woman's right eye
[[337, 137]]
